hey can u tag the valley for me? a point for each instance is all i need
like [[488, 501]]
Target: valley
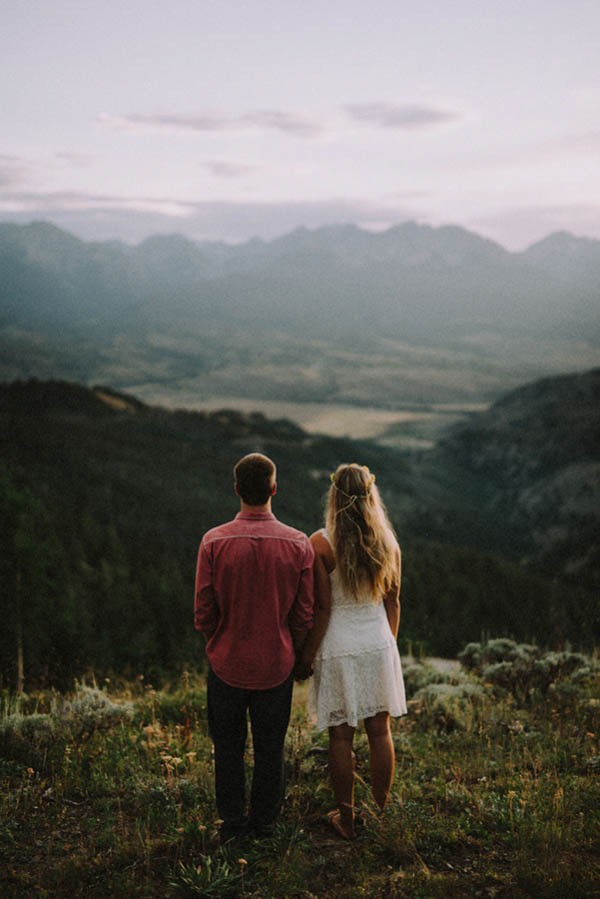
[[132, 379], [406, 428]]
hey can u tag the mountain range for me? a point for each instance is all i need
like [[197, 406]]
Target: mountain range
[[108, 310]]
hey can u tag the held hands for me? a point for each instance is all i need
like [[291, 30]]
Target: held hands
[[303, 668]]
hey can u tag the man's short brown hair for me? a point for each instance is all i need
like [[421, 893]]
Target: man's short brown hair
[[254, 476]]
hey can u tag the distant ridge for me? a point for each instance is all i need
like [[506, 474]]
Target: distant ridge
[[560, 240], [415, 277], [335, 314]]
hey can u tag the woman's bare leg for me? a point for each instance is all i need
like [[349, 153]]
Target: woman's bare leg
[[381, 756], [341, 772]]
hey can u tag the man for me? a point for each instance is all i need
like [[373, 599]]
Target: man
[[254, 605]]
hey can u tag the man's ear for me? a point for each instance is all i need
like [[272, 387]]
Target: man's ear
[[274, 488], [235, 489]]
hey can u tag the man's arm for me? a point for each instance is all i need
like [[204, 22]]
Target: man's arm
[[323, 561], [206, 612], [302, 612]]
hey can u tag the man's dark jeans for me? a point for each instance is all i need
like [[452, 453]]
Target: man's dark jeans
[[269, 718]]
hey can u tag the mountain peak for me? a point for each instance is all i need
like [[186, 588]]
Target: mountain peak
[[564, 241]]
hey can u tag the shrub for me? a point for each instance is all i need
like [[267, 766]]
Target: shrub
[[478, 656], [35, 730], [92, 710], [523, 669], [29, 736], [447, 706], [421, 675]]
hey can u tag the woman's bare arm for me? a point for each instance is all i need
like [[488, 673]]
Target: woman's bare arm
[[391, 601]]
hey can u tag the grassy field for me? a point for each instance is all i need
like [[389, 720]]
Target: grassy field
[[108, 792]]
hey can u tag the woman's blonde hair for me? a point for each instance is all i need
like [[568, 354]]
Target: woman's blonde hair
[[364, 544]]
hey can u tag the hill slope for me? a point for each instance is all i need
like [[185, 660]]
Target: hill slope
[[533, 460], [103, 501]]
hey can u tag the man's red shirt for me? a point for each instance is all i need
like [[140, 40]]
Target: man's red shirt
[[254, 587]]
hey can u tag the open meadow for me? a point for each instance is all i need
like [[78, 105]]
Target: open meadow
[[108, 791]]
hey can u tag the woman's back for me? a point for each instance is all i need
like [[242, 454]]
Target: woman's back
[[357, 670]]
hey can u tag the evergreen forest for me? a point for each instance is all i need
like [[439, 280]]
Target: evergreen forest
[[103, 501]]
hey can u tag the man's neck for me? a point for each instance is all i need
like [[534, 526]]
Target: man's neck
[[256, 510]]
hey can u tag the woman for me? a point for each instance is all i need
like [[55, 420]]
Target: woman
[[352, 648]]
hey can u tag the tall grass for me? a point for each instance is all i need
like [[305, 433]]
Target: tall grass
[[109, 793]]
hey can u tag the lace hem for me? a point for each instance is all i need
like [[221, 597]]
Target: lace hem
[[381, 650], [339, 716]]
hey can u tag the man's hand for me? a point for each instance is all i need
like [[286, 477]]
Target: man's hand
[[303, 669]]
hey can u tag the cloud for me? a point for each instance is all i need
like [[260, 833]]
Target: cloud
[[228, 169], [104, 217], [57, 203], [568, 146], [137, 122], [132, 219], [520, 226], [408, 117], [588, 142], [283, 121], [273, 120], [79, 160], [14, 171]]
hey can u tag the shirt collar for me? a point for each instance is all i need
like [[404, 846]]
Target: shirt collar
[[260, 516]]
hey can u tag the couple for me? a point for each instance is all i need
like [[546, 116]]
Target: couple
[[274, 605]]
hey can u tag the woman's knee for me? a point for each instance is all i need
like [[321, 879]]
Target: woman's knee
[[341, 733], [378, 725]]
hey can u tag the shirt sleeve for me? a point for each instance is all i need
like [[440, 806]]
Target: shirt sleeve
[[301, 614], [206, 612]]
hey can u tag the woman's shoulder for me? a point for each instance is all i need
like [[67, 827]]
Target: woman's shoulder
[[322, 547]]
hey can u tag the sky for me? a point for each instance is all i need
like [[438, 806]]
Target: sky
[[233, 119]]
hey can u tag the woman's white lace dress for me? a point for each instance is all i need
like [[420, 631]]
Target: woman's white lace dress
[[357, 670]]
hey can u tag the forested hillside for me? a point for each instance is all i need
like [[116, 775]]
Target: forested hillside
[[534, 459], [104, 500]]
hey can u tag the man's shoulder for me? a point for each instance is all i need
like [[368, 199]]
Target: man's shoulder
[[259, 527], [219, 531], [288, 531]]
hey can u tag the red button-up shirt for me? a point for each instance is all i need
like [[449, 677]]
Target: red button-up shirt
[[254, 586]]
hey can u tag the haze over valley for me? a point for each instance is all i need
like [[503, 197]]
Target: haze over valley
[[423, 321]]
